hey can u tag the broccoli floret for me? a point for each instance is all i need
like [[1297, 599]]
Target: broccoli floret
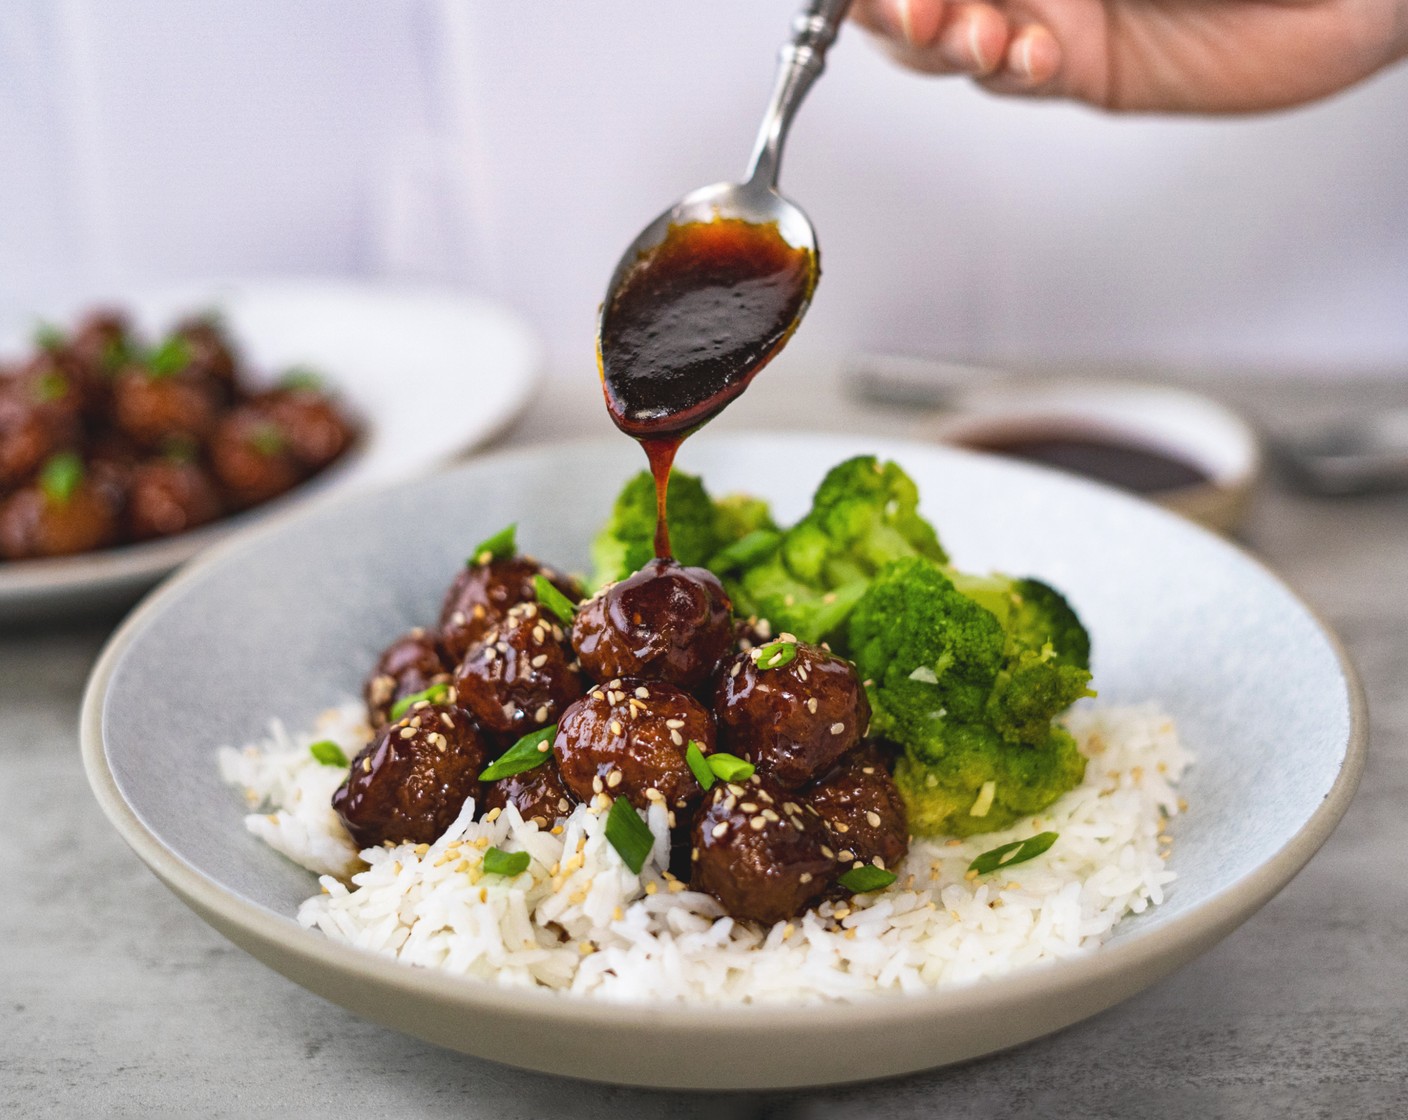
[[941, 795], [700, 527], [966, 699], [1033, 614], [805, 580]]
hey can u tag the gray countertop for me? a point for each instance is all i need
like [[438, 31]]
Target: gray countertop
[[117, 1001]]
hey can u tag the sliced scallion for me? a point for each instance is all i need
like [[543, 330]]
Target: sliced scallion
[[628, 834], [731, 768], [499, 862], [170, 358], [61, 476], [530, 751], [328, 753], [434, 694], [775, 655], [1019, 851], [500, 546], [553, 600], [699, 765], [867, 878]]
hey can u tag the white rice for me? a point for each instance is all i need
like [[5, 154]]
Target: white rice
[[579, 920]]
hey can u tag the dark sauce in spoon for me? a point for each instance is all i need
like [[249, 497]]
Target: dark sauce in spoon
[[691, 324]]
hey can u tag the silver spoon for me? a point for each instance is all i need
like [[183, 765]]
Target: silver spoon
[[756, 200]]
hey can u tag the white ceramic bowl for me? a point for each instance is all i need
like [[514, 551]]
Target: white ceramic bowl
[[286, 620], [1184, 425], [428, 373]]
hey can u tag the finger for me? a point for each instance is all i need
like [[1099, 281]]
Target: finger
[[906, 23], [971, 39], [1031, 63]]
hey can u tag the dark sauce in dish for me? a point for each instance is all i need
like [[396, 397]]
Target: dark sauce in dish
[[692, 323], [1105, 458]]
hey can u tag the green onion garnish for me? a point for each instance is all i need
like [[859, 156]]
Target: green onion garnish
[[500, 546], [116, 353], [532, 750], [699, 765], [61, 476], [628, 834], [328, 753], [50, 387], [267, 439], [301, 377], [553, 600], [743, 552], [1019, 851], [434, 694], [499, 862], [48, 337], [170, 358], [867, 878], [731, 768], [775, 655]]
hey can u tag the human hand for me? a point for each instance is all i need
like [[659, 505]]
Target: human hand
[[1155, 55]]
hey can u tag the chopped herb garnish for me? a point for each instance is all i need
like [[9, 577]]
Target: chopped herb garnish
[[434, 694], [301, 377], [328, 753], [1019, 851], [867, 878], [553, 600], [50, 387], [180, 449], [731, 768], [530, 751], [267, 439], [115, 354], [48, 337], [170, 358], [699, 765], [61, 476], [500, 546], [628, 834], [775, 655], [499, 862]]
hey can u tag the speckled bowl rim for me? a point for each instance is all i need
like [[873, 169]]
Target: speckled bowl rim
[[1090, 982]]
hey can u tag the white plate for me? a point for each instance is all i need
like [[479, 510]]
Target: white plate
[[430, 373], [288, 620]]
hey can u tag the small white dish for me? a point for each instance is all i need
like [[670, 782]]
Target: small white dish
[[1175, 423], [285, 621], [429, 373]]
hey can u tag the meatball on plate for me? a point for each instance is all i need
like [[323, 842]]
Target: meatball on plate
[[194, 454]]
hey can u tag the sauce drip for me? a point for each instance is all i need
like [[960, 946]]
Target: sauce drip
[[1105, 458], [692, 323]]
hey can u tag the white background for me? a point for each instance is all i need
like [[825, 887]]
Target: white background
[[515, 149]]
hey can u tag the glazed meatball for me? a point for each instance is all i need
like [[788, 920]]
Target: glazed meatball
[[760, 851], [521, 676], [31, 430], [155, 411], [410, 664], [36, 522], [539, 794], [482, 594], [665, 622], [410, 782], [209, 355], [166, 496], [628, 737], [858, 799], [251, 459], [315, 430], [100, 341], [793, 721]]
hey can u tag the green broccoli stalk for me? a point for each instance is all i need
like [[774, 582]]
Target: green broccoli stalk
[[700, 527], [968, 699], [864, 515]]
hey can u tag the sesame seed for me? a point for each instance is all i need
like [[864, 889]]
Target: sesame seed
[[613, 779], [643, 692], [827, 852], [811, 704], [804, 877], [757, 824], [837, 728], [539, 661], [873, 818], [867, 769], [407, 732], [541, 715], [544, 747], [653, 794], [539, 635], [846, 856], [719, 829], [597, 787], [366, 766], [842, 827], [616, 728], [748, 807], [677, 738], [670, 817], [490, 653], [737, 665], [674, 723]]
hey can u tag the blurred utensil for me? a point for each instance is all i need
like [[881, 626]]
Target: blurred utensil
[[1359, 455]]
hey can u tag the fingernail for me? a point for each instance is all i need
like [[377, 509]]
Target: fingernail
[[1020, 58], [975, 46], [904, 15]]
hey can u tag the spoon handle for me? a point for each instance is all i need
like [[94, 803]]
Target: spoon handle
[[802, 60]]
